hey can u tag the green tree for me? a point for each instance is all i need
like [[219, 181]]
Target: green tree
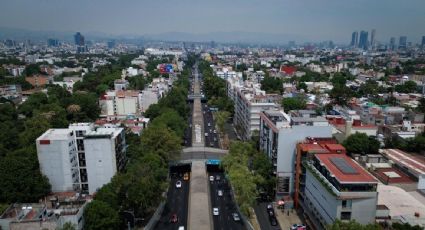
[[405, 226], [32, 69], [293, 103], [360, 143], [352, 225], [162, 140], [98, 215], [221, 118]]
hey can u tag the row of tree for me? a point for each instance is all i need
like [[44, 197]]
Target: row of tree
[[215, 89], [249, 172], [138, 191]]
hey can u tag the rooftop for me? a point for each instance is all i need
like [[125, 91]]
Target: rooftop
[[345, 169], [414, 163], [55, 134]]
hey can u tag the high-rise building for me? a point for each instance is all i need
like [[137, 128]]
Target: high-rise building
[[279, 134], [402, 43], [392, 43], [111, 44], [372, 39], [81, 157], [363, 41], [423, 42], [79, 39], [52, 42], [354, 39]]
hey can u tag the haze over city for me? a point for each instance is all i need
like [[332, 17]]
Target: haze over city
[[307, 20]]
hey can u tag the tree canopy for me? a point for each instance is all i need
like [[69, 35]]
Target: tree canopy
[[360, 143]]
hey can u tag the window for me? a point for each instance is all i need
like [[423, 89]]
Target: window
[[345, 215], [346, 203]]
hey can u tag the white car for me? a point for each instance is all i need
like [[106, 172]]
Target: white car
[[215, 212], [235, 217], [211, 178], [220, 192], [181, 228], [215, 131], [178, 184]]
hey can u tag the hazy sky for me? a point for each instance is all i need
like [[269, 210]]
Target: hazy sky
[[313, 19]]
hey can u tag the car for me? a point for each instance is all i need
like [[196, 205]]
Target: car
[[236, 217], [298, 227], [186, 176], [174, 218], [220, 192], [209, 124], [211, 178], [206, 134], [215, 212], [178, 184], [273, 221], [215, 131], [210, 130], [217, 177], [269, 207], [181, 228], [211, 144]]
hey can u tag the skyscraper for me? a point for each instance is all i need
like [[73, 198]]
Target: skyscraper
[[354, 39], [423, 42], [363, 41], [392, 43], [52, 42], [402, 43], [79, 39], [372, 39]]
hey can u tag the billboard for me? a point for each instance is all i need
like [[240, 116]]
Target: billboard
[[166, 68]]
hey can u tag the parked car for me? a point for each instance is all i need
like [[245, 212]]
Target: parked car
[[211, 178], [236, 216], [217, 177], [273, 221], [215, 212], [174, 218], [220, 192], [298, 227], [178, 184], [186, 176]]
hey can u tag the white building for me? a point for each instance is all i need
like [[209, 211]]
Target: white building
[[249, 100], [279, 134], [118, 104], [336, 187], [82, 157]]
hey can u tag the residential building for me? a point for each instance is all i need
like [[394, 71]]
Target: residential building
[[81, 157], [59, 208], [337, 187], [11, 92], [119, 104], [249, 101], [37, 81], [279, 135]]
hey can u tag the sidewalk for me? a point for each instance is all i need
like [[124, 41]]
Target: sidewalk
[[285, 220]]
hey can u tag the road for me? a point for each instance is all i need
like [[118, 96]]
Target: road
[[225, 204], [188, 130], [177, 203], [209, 127], [263, 217]]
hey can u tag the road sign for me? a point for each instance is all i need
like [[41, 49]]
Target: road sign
[[213, 162]]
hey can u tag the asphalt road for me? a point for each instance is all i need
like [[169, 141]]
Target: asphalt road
[[188, 131], [177, 203], [225, 204], [212, 139], [263, 217]]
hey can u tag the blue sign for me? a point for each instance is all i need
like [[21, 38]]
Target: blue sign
[[213, 162]]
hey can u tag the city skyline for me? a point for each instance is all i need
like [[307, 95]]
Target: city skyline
[[333, 20]]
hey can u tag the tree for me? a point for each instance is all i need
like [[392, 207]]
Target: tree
[[407, 87], [221, 118], [162, 140], [293, 103], [352, 225], [360, 143], [405, 226], [68, 226], [32, 69], [98, 215], [21, 178]]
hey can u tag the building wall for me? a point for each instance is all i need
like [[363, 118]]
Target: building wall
[[327, 207], [100, 160], [287, 140], [55, 162]]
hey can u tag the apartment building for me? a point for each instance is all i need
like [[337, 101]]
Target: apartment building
[[336, 187], [81, 157], [249, 102], [279, 134], [118, 104]]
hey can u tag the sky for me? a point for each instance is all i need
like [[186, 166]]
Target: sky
[[313, 20]]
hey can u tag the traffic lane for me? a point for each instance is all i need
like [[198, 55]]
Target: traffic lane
[[260, 209], [177, 203], [225, 204]]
